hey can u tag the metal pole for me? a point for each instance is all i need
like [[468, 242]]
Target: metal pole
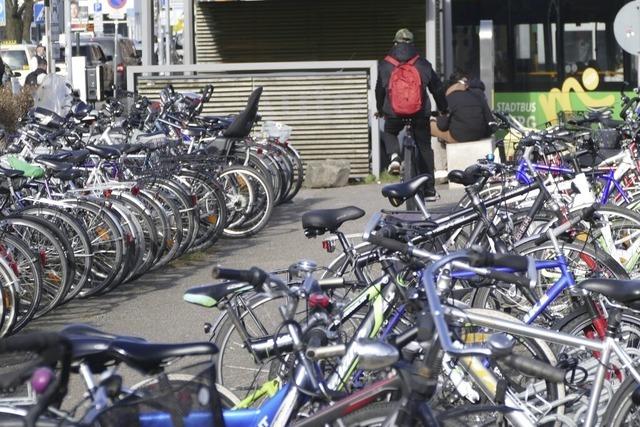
[[167, 34], [115, 55], [47, 24], [187, 33], [147, 33], [487, 58], [160, 33], [447, 38], [430, 32], [67, 37]]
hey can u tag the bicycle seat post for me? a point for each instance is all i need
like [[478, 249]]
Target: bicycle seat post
[[421, 206]]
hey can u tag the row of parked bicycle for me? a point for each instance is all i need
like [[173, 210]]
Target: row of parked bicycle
[[514, 307], [94, 199]]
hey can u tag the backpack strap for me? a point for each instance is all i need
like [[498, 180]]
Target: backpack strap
[[413, 60], [391, 60]]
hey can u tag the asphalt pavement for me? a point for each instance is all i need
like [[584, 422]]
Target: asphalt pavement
[[152, 306]]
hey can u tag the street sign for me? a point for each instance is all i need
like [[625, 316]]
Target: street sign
[[626, 27], [3, 18], [115, 8], [38, 13]]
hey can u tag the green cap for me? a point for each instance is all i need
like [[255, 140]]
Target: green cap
[[403, 35]]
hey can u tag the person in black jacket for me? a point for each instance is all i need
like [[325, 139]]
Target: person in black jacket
[[32, 77], [469, 114], [403, 50]]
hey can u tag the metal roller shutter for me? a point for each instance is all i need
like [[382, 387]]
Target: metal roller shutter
[[302, 30], [328, 111]]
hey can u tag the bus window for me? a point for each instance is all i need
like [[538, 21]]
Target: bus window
[[588, 45], [535, 60], [540, 43]]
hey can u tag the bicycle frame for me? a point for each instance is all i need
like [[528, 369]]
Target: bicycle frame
[[474, 364]]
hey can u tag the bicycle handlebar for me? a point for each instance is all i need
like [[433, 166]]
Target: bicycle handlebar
[[410, 250], [254, 276]]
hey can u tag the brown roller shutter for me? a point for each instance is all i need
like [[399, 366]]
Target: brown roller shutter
[[303, 30], [328, 111]]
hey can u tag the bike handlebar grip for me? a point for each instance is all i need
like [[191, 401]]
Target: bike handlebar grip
[[254, 276], [326, 352], [332, 282], [535, 368], [387, 243], [509, 278], [488, 259], [35, 342]]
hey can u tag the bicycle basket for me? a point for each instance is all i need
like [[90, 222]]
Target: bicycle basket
[[276, 130], [170, 400]]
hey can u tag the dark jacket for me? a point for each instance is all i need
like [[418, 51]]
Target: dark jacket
[[1, 70], [403, 52], [469, 115], [32, 77]]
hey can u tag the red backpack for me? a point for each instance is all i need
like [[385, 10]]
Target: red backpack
[[405, 87]]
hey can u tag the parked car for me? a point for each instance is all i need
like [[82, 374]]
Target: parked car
[[124, 56], [18, 57], [96, 57]]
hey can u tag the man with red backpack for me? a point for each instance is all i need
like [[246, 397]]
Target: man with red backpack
[[401, 93]]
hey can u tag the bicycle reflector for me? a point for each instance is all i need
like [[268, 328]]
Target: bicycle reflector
[[328, 245], [135, 190], [318, 300], [107, 193]]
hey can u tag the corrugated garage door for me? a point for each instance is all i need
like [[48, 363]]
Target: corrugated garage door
[[302, 30], [328, 111]]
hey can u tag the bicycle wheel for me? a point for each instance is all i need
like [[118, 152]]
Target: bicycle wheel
[[618, 232], [623, 411], [298, 171], [187, 210], [51, 254], [107, 243], [133, 239], [628, 335], [235, 365], [149, 232], [146, 234], [9, 303], [249, 193], [77, 238], [175, 233], [211, 208], [583, 261], [28, 270], [160, 220]]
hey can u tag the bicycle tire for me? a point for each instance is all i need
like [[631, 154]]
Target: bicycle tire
[[29, 273], [604, 263], [622, 411], [77, 237], [51, 254], [260, 207]]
